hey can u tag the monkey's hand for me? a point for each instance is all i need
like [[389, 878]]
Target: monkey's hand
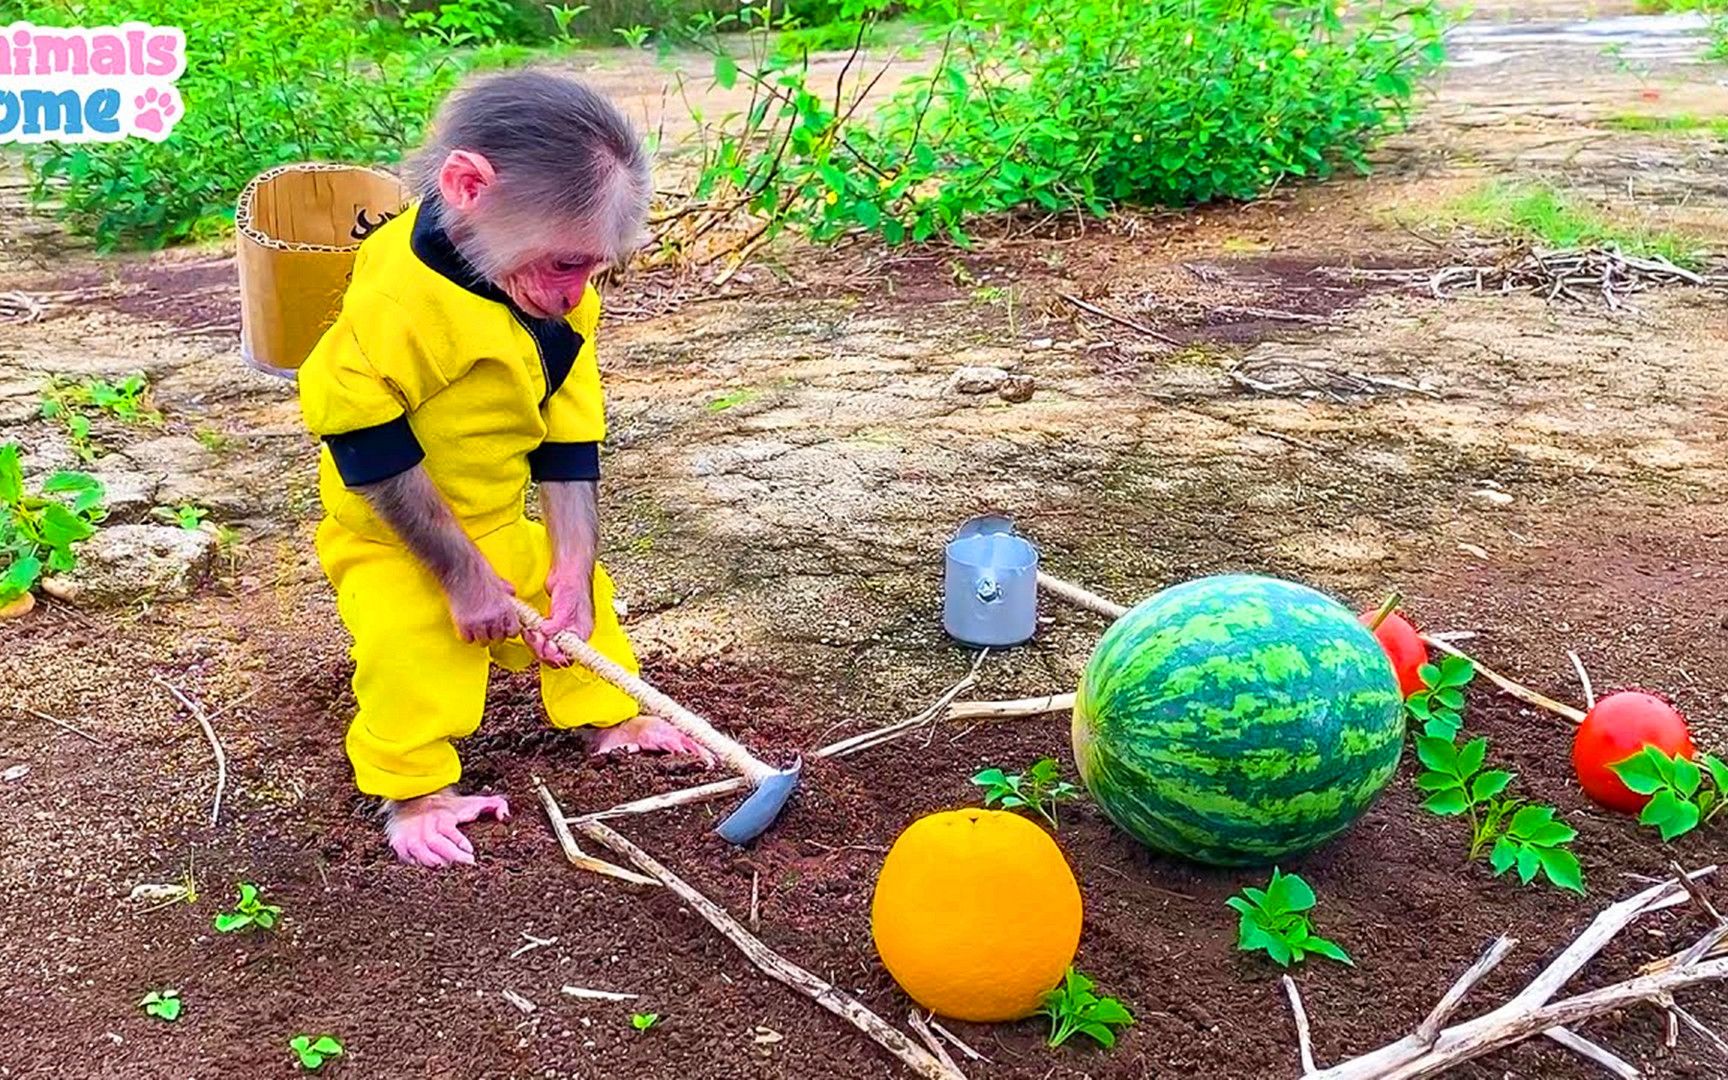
[[480, 603], [572, 609], [427, 831]]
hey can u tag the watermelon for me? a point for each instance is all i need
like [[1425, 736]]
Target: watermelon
[[1236, 720]]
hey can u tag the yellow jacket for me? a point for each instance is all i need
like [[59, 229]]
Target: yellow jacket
[[429, 364]]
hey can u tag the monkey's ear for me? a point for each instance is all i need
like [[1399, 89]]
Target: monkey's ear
[[463, 177]]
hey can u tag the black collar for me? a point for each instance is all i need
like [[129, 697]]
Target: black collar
[[556, 339]]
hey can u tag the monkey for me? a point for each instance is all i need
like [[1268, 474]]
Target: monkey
[[460, 370]]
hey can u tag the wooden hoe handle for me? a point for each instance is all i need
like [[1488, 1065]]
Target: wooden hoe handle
[[733, 753]]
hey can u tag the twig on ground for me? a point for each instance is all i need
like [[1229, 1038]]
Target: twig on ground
[[1698, 1027], [1583, 679], [532, 944], [215, 744], [1590, 1051], [1304, 1038], [59, 723], [773, 964], [1429, 1029], [922, 1029], [1302, 444], [1696, 892], [521, 1003], [1522, 693], [573, 851], [1120, 320], [586, 994], [755, 900], [956, 1041], [1080, 597]]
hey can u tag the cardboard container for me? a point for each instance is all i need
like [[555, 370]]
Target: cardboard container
[[297, 228]]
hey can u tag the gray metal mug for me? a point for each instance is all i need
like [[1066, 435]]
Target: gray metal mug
[[990, 595]]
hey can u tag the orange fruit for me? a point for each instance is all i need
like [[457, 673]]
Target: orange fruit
[[976, 914]]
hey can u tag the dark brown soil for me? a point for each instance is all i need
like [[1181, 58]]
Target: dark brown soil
[[408, 967]]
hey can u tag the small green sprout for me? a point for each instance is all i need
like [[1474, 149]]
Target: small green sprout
[[1074, 1009], [1273, 920], [313, 1052], [249, 912], [644, 1021], [163, 1004], [1041, 788], [1440, 702], [188, 517], [1680, 799]]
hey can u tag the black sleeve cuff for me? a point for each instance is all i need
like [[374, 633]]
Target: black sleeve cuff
[[565, 461], [375, 453]]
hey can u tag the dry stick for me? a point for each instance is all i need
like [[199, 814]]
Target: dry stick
[[1696, 893], [1522, 693], [1121, 320], [59, 723], [1304, 1040], [215, 744], [573, 851], [1696, 1025], [958, 1043], [1583, 677], [598, 995], [755, 900], [1386, 610], [1007, 710], [1080, 597], [1429, 1029], [1590, 1051], [772, 963], [917, 1024]]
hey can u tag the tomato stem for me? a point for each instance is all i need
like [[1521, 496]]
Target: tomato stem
[[1386, 610]]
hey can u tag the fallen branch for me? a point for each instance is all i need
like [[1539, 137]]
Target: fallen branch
[[772, 964], [1009, 710], [573, 851], [59, 723], [1304, 1039], [1081, 598], [1120, 320], [955, 1040], [1590, 1051], [917, 1024], [1522, 693], [1432, 1049], [215, 744]]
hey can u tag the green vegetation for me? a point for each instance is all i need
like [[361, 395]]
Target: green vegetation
[[250, 912], [1508, 830], [644, 1021], [188, 517], [1716, 126], [1680, 799], [1545, 216], [162, 1004], [1074, 1009], [311, 1052], [38, 532], [1040, 788], [1274, 919], [1034, 105], [76, 402]]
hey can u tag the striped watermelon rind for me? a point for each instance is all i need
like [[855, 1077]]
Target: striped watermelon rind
[[1236, 720]]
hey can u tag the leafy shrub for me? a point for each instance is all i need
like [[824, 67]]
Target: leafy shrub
[[266, 83], [38, 532], [1059, 105]]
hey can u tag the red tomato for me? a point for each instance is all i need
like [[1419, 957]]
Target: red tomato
[[1404, 646], [1619, 726]]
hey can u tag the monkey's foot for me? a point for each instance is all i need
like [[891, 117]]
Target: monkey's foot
[[650, 733], [427, 831]]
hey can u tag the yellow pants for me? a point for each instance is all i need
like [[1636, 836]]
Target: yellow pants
[[419, 685]]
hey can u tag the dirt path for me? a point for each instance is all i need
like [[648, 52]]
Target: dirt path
[[783, 469]]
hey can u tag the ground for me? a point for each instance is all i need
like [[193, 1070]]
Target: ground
[[786, 460]]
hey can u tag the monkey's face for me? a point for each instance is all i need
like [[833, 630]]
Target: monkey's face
[[543, 266]]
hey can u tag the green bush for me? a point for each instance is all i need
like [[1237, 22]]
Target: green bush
[[1061, 105], [267, 82]]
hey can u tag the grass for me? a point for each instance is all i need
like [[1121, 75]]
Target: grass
[[1551, 218], [1679, 123]]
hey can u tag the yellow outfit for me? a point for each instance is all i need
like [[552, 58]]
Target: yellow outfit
[[428, 364]]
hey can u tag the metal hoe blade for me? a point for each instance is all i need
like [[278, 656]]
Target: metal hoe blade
[[757, 813]]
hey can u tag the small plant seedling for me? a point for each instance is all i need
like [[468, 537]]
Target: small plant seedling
[[1074, 1009], [644, 1021], [39, 531], [213, 440], [1041, 788], [163, 1004], [187, 516], [1440, 702], [314, 1051], [564, 15], [634, 36], [1510, 831], [1680, 798], [249, 912], [1273, 920]]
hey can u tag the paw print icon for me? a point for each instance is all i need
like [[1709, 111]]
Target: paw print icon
[[157, 110]]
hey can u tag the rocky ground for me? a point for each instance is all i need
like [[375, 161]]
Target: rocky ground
[[786, 461]]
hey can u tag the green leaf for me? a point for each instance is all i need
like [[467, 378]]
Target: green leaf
[[1505, 853], [1288, 892], [1456, 671], [1447, 803], [20, 577], [1327, 949], [1430, 676], [1443, 726], [725, 71], [1489, 784], [1434, 781], [990, 777], [1529, 861], [1279, 951], [1450, 697], [1098, 1032], [1687, 777], [1531, 818], [1684, 819], [328, 1045], [1718, 770], [62, 528], [228, 921], [1638, 773], [1552, 834], [1438, 754], [1110, 1011], [1562, 869], [11, 475], [1471, 757], [1662, 806]]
